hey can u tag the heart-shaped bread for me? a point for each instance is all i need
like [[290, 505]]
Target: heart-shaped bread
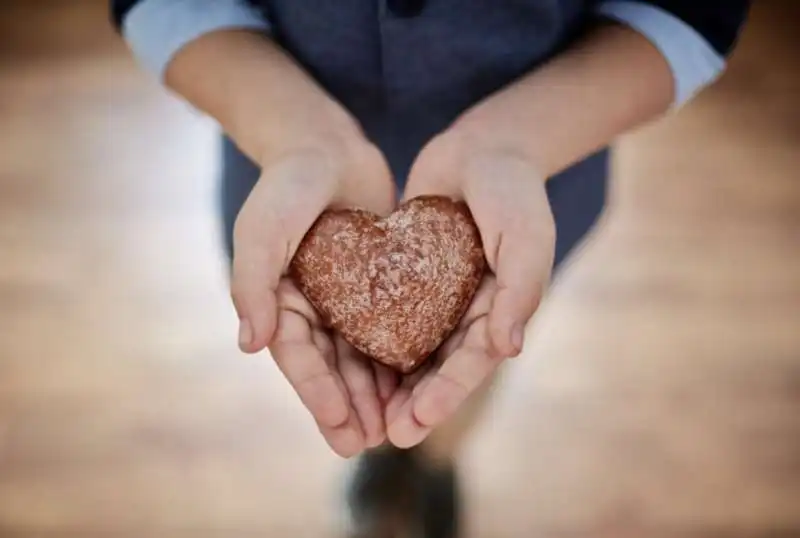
[[395, 287]]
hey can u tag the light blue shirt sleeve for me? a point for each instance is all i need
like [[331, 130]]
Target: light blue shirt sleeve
[[156, 30], [693, 61]]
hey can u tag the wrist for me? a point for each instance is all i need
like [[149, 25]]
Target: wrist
[[476, 136], [606, 84], [320, 127], [259, 95]]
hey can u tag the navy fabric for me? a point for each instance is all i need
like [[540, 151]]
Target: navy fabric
[[411, 77], [718, 21], [577, 196], [427, 63], [406, 69]]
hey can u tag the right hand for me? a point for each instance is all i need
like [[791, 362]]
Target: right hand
[[344, 392], [313, 156]]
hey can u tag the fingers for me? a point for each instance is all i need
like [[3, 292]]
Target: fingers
[[387, 381], [253, 297], [307, 358], [347, 439], [438, 397], [523, 269], [284, 204], [359, 378], [405, 391], [286, 201], [518, 232], [281, 208], [416, 383], [509, 203]]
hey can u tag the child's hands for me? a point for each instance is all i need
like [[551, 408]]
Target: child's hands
[[313, 155], [335, 383], [507, 197]]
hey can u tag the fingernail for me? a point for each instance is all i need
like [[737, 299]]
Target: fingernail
[[374, 441], [517, 337], [245, 333]]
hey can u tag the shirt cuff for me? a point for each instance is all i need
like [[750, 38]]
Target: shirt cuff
[[693, 61], [156, 30]]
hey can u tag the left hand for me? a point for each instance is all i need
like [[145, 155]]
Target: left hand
[[507, 197]]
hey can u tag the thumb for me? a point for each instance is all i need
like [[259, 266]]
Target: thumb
[[512, 211], [282, 206], [522, 270]]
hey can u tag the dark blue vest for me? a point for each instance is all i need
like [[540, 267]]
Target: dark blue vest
[[406, 69]]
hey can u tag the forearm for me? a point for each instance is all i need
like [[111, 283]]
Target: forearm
[[218, 55], [260, 96], [617, 77], [610, 82]]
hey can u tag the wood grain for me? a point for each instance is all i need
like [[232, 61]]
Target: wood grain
[[659, 397]]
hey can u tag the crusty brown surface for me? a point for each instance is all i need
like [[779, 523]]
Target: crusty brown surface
[[394, 287]]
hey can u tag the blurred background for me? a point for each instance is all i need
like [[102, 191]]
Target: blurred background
[[659, 397]]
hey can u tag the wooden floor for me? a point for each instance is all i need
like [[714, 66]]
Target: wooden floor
[[660, 397]]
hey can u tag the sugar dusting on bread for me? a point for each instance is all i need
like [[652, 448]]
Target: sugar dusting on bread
[[394, 287]]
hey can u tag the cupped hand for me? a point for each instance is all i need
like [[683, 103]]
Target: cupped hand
[[344, 392], [507, 197]]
